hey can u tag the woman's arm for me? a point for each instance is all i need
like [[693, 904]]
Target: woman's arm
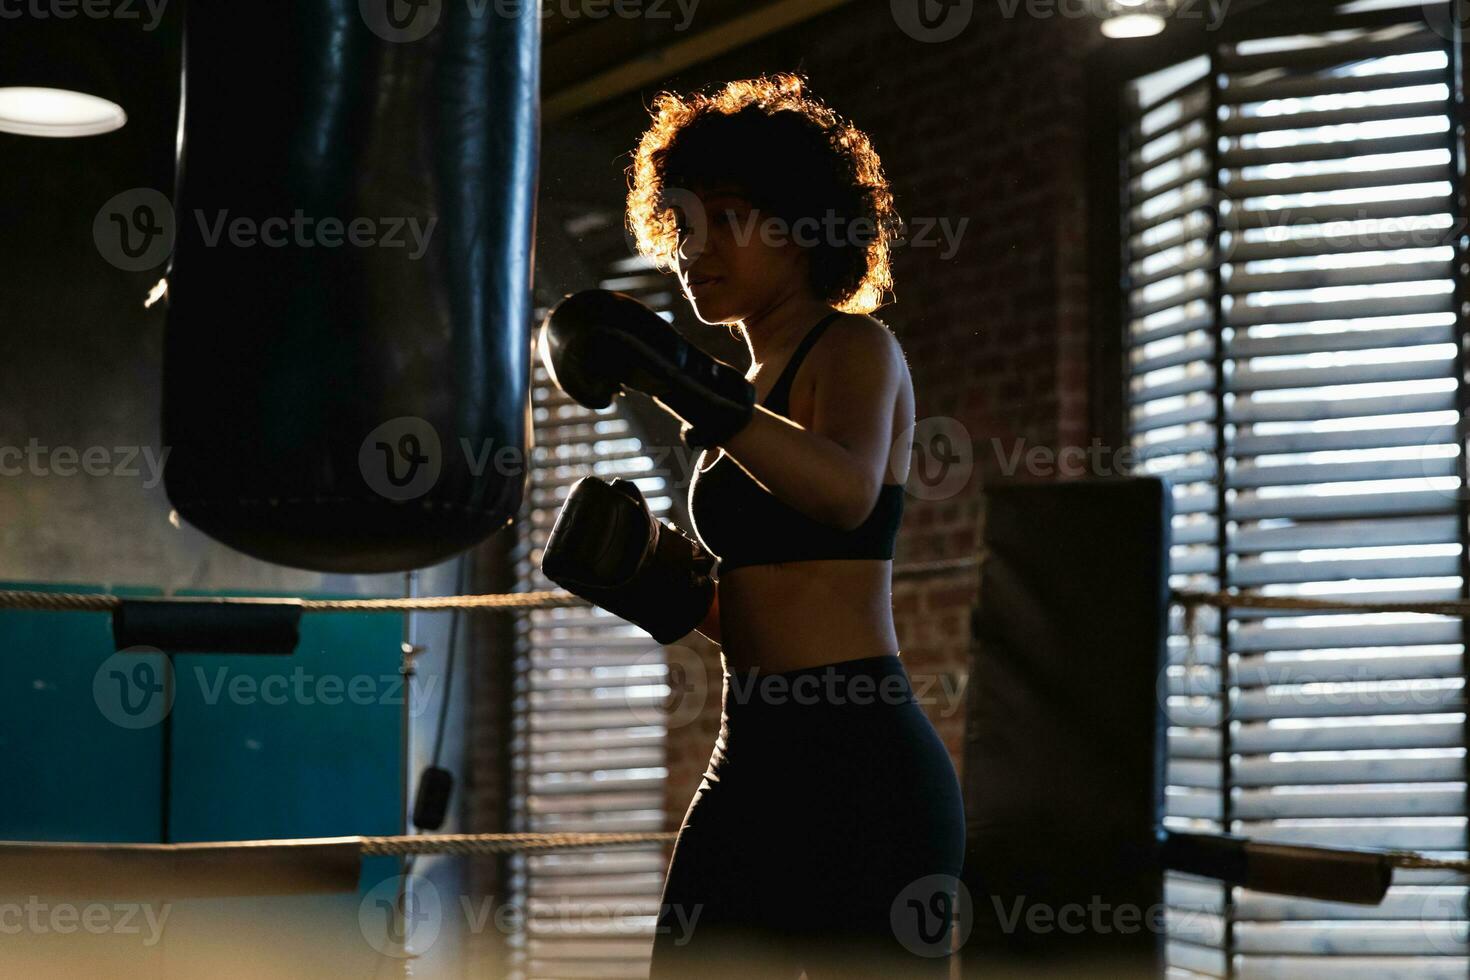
[[710, 625], [832, 471]]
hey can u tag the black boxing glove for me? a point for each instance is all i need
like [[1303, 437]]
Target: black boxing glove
[[596, 342], [607, 547]]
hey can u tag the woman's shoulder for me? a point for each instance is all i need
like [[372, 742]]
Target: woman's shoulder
[[860, 339]]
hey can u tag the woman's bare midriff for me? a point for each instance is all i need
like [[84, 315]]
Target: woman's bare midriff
[[806, 614]]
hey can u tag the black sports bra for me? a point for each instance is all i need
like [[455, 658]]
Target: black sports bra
[[743, 524]]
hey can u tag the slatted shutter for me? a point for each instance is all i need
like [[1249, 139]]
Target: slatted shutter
[[589, 747], [1293, 364]]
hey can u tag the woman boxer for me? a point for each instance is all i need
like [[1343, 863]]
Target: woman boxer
[[827, 833]]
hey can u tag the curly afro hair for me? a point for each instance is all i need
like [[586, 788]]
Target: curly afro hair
[[793, 158]]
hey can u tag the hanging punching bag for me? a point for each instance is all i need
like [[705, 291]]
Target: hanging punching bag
[[347, 355]]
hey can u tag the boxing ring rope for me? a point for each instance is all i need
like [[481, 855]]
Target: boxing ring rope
[[244, 868], [464, 844], [1192, 601], [551, 599], [82, 602], [513, 843], [505, 843]]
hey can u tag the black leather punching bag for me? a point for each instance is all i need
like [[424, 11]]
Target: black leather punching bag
[[347, 357]]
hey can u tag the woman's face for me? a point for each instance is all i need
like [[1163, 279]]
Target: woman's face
[[734, 261]]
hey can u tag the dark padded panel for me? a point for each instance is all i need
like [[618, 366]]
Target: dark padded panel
[[1064, 735], [207, 625]]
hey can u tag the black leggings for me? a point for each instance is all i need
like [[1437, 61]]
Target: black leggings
[[827, 834]]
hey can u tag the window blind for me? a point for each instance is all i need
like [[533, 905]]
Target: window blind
[[1294, 368], [589, 748]]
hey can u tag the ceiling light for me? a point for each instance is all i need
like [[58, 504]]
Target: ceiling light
[[1133, 25], [35, 111]]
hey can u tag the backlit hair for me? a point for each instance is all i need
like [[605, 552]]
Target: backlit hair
[[793, 158]]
